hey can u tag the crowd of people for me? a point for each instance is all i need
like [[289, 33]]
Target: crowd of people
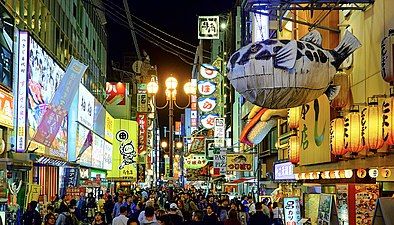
[[157, 207]]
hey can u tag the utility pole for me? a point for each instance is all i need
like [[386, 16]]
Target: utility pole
[[128, 15]]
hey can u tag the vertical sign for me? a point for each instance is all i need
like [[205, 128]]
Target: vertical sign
[[142, 132], [219, 133], [22, 91], [193, 107], [177, 127], [85, 107], [219, 163], [142, 103], [292, 211], [208, 27]]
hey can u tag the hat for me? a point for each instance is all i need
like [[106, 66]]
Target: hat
[[173, 206]]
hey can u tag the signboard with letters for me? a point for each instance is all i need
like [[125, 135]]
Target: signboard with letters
[[284, 171], [219, 163], [208, 27], [239, 162], [116, 93], [292, 211], [142, 121], [85, 107], [219, 132]]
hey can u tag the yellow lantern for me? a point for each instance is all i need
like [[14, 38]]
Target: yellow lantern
[[388, 120], [342, 99], [337, 137], [372, 130], [294, 149], [293, 117], [353, 132]]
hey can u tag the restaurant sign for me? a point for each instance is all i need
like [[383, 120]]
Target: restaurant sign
[[239, 162]]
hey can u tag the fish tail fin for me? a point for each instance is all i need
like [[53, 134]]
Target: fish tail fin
[[346, 47]]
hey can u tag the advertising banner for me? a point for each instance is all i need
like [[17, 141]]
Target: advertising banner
[[22, 91], [178, 127], [124, 150], [195, 161], [116, 93], [84, 146], [6, 109], [342, 203], [98, 152], [325, 209], [109, 127], [292, 211], [239, 162], [315, 132], [85, 107], [34, 192], [208, 27], [57, 110], [284, 171], [219, 163], [70, 177], [141, 173], [107, 152], [142, 121], [219, 132]]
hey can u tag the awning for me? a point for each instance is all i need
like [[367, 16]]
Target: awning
[[241, 180]]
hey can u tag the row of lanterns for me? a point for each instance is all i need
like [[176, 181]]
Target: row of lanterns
[[344, 174]]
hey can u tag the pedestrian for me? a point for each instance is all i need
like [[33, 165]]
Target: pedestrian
[[116, 210], [50, 219], [91, 205], [232, 218], [133, 221], [108, 208], [32, 216], [174, 215], [142, 216], [223, 210], [81, 208], [68, 216], [277, 214], [98, 219], [121, 219], [259, 218], [150, 218], [100, 204], [210, 217], [197, 218], [243, 215]]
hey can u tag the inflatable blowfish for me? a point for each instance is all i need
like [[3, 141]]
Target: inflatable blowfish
[[279, 74]]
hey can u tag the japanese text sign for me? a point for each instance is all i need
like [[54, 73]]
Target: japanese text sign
[[239, 162], [142, 121], [208, 27], [292, 211]]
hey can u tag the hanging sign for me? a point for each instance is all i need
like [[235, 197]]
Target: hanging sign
[[208, 120], [206, 87], [239, 162], [195, 161], [292, 211], [361, 173], [142, 132], [85, 107], [208, 71], [373, 173], [206, 104], [208, 27], [219, 133], [219, 163], [142, 103], [385, 172]]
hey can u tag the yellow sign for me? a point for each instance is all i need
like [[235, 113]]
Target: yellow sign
[[109, 127], [239, 162], [314, 131], [33, 193], [124, 154]]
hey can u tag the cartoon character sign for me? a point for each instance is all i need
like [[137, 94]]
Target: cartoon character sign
[[126, 149], [280, 74]]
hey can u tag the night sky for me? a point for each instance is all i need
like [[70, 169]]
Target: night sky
[[176, 17]]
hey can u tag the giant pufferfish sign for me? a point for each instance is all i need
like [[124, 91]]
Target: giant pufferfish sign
[[279, 74]]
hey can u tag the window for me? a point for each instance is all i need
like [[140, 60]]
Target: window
[[94, 45], [86, 31], [75, 10]]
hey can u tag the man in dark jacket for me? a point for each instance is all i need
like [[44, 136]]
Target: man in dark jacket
[[197, 217], [210, 218], [31, 216], [259, 218]]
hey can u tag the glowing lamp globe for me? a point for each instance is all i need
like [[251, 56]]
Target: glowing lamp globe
[[353, 132], [152, 87], [293, 117], [171, 83], [294, 149], [342, 99], [372, 120], [388, 120], [337, 137], [189, 88]]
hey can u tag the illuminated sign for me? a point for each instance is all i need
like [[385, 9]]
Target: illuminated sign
[[239, 162], [208, 120], [97, 152], [208, 27], [85, 107], [6, 109], [107, 154], [116, 93], [206, 104], [22, 91], [219, 132], [109, 127], [195, 161], [206, 87], [208, 71], [86, 157], [292, 211], [142, 132], [284, 171]]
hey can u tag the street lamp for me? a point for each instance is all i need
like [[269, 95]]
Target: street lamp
[[171, 85]]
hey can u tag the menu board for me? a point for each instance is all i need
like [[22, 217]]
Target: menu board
[[325, 206], [342, 203], [311, 203], [366, 197], [292, 211]]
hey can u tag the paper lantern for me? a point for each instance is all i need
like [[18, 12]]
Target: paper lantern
[[348, 174], [342, 99], [294, 149], [293, 117], [353, 132], [337, 137], [372, 130], [387, 58], [388, 120], [385, 172], [361, 173], [373, 173]]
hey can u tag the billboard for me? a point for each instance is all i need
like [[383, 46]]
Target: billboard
[[142, 121], [239, 162], [124, 152], [116, 93], [86, 157], [284, 171], [6, 109], [85, 107], [109, 127]]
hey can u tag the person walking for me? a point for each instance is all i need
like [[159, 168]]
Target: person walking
[[174, 216], [232, 218], [277, 214], [150, 218], [117, 206], [68, 216], [50, 219], [210, 218], [121, 219], [31, 216], [197, 217], [99, 219], [259, 217]]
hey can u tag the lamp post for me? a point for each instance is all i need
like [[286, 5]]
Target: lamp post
[[171, 85]]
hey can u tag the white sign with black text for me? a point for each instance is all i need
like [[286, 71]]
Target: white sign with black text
[[208, 27], [85, 107], [220, 162], [220, 132]]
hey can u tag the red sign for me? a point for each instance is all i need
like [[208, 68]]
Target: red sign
[[116, 93], [142, 121]]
